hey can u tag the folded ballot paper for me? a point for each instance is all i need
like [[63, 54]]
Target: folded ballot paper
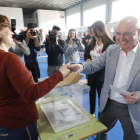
[[120, 91]]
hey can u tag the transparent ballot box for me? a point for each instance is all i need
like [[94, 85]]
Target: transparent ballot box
[[66, 110]]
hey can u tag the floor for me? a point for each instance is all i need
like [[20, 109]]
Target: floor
[[116, 133]]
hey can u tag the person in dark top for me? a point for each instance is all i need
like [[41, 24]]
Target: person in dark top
[[33, 41], [87, 39], [55, 51], [100, 41]]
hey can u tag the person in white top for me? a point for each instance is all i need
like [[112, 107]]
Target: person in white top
[[122, 70], [73, 44], [101, 40]]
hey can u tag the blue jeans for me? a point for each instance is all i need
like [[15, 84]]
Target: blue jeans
[[26, 133]]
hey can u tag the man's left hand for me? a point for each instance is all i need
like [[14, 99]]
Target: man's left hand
[[131, 99]]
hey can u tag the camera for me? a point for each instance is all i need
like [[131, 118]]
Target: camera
[[52, 37], [74, 39], [18, 37], [33, 33], [13, 28]]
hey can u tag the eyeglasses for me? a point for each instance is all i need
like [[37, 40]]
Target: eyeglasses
[[126, 33]]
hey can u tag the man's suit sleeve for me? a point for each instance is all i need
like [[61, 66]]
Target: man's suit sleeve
[[138, 92], [95, 64]]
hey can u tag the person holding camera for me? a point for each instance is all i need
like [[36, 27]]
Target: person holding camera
[[73, 44], [18, 92], [55, 48], [33, 41], [20, 49]]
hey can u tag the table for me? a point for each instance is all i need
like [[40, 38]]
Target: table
[[80, 132]]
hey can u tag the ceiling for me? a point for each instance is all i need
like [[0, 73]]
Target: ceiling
[[39, 4]]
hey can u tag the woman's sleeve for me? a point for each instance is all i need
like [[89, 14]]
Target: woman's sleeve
[[81, 47], [27, 51], [22, 80]]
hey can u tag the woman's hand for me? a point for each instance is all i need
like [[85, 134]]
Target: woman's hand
[[16, 41], [64, 70], [79, 41]]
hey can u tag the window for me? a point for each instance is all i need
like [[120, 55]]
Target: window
[[73, 21], [123, 8], [92, 15]]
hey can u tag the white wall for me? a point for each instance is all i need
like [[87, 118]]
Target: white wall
[[48, 18], [86, 6], [73, 10], [14, 13], [91, 4], [111, 27]]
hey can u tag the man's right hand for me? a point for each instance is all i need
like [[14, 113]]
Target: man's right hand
[[76, 67], [64, 70]]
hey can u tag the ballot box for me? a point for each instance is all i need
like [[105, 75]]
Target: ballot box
[[66, 109]]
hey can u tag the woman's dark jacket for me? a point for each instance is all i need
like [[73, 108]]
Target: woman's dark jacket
[[100, 74]]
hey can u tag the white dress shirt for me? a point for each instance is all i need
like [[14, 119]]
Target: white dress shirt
[[96, 51], [122, 73]]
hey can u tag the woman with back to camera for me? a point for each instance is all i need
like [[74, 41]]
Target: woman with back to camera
[[100, 41], [73, 44], [18, 93]]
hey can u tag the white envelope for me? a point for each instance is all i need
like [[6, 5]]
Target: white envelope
[[121, 91]]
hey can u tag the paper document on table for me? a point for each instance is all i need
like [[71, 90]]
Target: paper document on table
[[121, 91]]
